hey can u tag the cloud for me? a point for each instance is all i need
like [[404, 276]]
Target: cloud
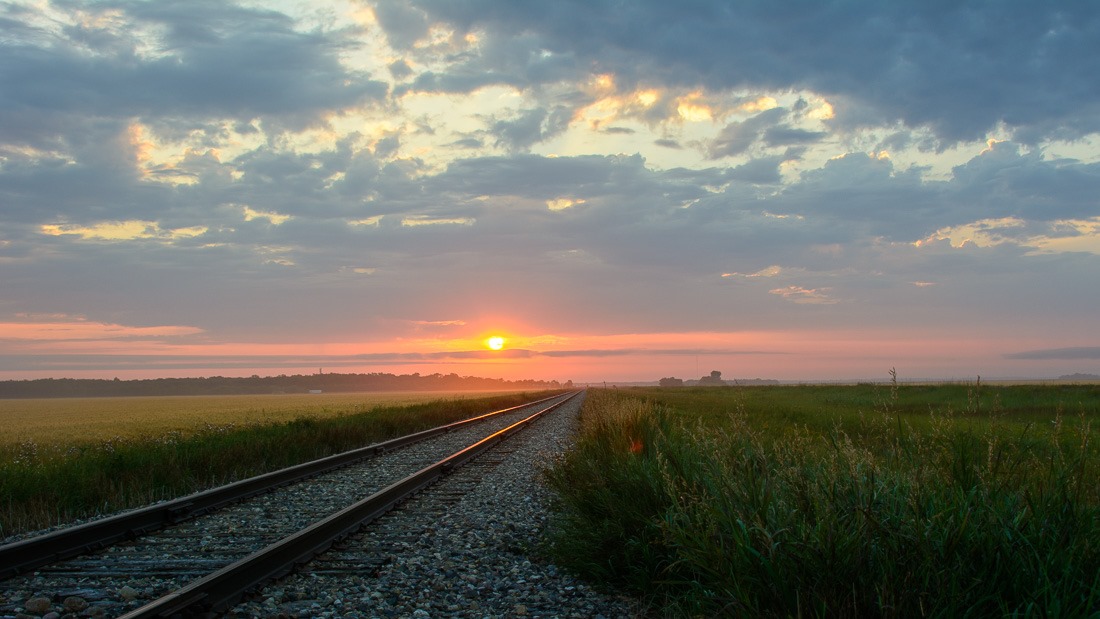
[[656, 228], [197, 60], [676, 352], [619, 130], [804, 296], [1008, 181], [170, 362], [468, 143], [738, 137], [404, 25], [960, 69], [529, 127], [762, 171], [1074, 353], [238, 168], [80, 329], [400, 69], [791, 136]]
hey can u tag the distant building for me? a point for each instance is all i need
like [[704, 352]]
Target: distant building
[[715, 379], [315, 391], [671, 382]]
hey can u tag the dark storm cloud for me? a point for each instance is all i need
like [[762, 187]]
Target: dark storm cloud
[[960, 68]]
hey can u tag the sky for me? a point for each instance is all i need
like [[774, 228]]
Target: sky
[[621, 190]]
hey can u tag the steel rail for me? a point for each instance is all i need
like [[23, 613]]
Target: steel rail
[[28, 554], [220, 590]]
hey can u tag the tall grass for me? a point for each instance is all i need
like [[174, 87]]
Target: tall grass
[[722, 511], [46, 485]]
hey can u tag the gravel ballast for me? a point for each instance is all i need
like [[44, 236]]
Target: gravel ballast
[[473, 557]]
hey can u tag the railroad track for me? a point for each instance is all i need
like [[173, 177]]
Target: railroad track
[[207, 550]]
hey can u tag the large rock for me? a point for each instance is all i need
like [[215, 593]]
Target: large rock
[[75, 604], [38, 605]]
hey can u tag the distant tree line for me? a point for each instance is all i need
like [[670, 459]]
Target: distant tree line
[[221, 385], [714, 380]]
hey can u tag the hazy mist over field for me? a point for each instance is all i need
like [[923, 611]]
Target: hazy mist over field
[[621, 191]]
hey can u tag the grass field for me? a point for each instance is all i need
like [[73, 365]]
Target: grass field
[[830, 501], [63, 460], [68, 421]]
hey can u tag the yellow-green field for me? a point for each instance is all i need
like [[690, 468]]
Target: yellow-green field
[[78, 420], [72, 458]]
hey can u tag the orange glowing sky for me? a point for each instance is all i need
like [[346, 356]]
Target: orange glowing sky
[[382, 186]]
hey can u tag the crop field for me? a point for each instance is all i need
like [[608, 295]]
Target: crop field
[[825, 501], [68, 421], [67, 459]]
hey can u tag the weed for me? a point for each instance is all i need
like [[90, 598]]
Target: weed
[[777, 510]]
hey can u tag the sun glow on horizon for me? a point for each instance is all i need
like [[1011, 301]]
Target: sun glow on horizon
[[496, 342]]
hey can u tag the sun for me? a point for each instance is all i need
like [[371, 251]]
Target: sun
[[496, 342]]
